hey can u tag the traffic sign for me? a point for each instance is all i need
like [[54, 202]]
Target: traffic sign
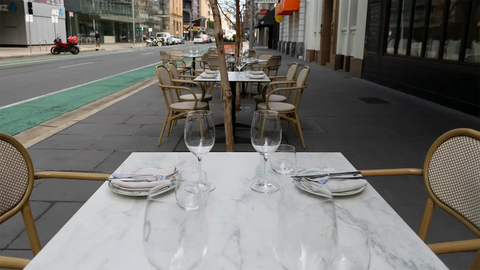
[[263, 11], [70, 13], [54, 19]]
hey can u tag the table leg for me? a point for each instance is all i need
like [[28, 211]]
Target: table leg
[[193, 66], [234, 111]]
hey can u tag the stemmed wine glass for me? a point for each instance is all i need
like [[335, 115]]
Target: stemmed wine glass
[[266, 135], [200, 137]]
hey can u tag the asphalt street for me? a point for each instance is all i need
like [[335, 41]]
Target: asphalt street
[[22, 80]]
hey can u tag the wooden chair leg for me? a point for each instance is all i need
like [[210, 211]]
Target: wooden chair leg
[[250, 90], [163, 129], [170, 128], [31, 229], [427, 217], [297, 122], [476, 262]]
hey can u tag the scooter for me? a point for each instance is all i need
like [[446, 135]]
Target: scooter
[[60, 46]]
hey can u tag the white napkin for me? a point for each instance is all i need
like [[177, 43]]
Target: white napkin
[[160, 173], [343, 185], [139, 185]]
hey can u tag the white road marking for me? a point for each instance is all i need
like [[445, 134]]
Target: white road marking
[[147, 53], [73, 87], [81, 64]]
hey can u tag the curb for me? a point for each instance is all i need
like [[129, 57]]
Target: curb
[[49, 128], [46, 53]]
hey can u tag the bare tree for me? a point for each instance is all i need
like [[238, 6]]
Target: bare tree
[[225, 85]]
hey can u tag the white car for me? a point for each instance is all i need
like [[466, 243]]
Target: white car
[[212, 38], [198, 39], [178, 40]]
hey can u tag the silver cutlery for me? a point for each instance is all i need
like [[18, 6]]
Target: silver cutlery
[[313, 176]]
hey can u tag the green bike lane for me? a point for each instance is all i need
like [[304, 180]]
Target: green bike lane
[[23, 116]]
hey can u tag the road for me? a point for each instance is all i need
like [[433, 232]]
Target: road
[[22, 80]]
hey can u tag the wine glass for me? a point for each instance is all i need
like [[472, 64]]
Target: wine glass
[[200, 137], [306, 230], [266, 135], [174, 239], [353, 251], [196, 50]]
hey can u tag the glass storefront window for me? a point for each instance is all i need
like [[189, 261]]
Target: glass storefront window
[[404, 27], [434, 28], [418, 28], [472, 53], [392, 27], [457, 12]]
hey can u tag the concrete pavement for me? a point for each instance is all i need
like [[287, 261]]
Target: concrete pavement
[[338, 114]]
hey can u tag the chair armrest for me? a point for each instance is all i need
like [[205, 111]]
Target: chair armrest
[[13, 263], [392, 172], [72, 175], [277, 77], [188, 81], [456, 246]]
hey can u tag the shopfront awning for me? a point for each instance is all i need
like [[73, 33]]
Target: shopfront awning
[[287, 7], [267, 20]]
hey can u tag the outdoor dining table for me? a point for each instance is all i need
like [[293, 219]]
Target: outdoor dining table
[[193, 56], [106, 233], [233, 78]]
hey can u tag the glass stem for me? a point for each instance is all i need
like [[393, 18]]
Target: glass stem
[[200, 178], [265, 158]]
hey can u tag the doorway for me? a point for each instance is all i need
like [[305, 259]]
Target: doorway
[[326, 34]]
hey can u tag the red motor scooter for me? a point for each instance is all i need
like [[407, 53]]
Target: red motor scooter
[[61, 46]]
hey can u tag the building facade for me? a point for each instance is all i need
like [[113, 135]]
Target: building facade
[[292, 27], [114, 19], [15, 31]]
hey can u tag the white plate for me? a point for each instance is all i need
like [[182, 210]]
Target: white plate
[[327, 170], [256, 76], [136, 192], [211, 72], [209, 76], [257, 73], [335, 194]]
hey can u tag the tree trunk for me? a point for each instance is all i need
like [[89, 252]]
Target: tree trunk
[[225, 85], [238, 49]]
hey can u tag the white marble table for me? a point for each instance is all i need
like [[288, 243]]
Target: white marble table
[[106, 233]]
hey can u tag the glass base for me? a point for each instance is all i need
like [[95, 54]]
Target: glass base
[[265, 187], [210, 186]]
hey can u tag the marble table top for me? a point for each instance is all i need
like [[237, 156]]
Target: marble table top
[[106, 233], [233, 76]]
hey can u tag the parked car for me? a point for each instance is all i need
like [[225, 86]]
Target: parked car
[[198, 39], [178, 40], [164, 38], [212, 38]]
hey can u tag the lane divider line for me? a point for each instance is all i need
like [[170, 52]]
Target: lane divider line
[[73, 87], [147, 53], [81, 64]]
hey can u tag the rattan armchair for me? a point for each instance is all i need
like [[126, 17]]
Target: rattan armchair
[[179, 79], [270, 68], [16, 181], [288, 110], [165, 57], [286, 80], [451, 173], [13, 263], [176, 108], [177, 57]]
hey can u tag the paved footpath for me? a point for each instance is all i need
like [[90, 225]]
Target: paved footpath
[[393, 134]]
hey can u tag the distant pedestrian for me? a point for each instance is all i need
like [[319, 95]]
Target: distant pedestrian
[[254, 39], [97, 39]]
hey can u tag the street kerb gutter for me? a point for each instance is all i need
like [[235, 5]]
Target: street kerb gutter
[[49, 128]]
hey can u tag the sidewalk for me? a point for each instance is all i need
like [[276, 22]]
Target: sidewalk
[[393, 130], [17, 52]]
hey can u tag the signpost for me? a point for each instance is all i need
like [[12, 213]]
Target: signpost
[[29, 20], [55, 21]]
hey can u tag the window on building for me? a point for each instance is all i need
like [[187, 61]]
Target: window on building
[[392, 27], [404, 27], [457, 13], [472, 53], [435, 28], [418, 30]]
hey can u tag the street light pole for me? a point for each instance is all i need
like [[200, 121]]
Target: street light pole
[[133, 21], [252, 14], [191, 25]]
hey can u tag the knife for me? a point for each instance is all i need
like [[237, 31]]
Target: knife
[[326, 174]]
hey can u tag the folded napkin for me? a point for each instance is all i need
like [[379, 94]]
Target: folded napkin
[[129, 183], [343, 185], [139, 185]]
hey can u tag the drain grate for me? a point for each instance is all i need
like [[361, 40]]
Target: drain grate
[[373, 100]]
